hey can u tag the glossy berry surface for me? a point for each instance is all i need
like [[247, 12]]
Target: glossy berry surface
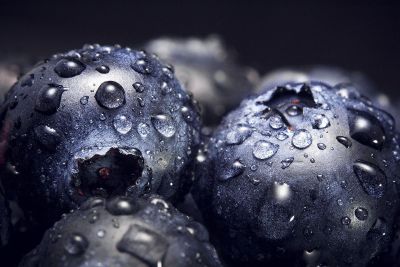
[[208, 70], [124, 232], [97, 121], [301, 175]]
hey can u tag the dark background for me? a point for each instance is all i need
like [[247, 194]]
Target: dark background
[[355, 35]]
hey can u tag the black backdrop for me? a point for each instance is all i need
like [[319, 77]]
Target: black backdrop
[[356, 35]]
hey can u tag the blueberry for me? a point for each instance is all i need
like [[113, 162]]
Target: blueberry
[[124, 232], [82, 128], [208, 70], [301, 175]]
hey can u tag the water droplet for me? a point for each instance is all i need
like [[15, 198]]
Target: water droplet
[[320, 121], [321, 146], [110, 95], [67, 68], [103, 117], [101, 233], [344, 141], [47, 137], [286, 162], [371, 178], [121, 206], [238, 135], [143, 129], [49, 98], [122, 124], [143, 66], [139, 87], [84, 100], [366, 129], [340, 202], [103, 69], [264, 149], [345, 220], [236, 169], [187, 114], [164, 125], [76, 244], [301, 139], [361, 214], [294, 110], [281, 136], [275, 122]]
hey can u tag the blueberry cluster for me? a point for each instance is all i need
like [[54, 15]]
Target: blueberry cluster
[[111, 156]]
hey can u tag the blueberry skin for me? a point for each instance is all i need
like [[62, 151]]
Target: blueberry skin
[[208, 69], [124, 232], [5, 221], [331, 76], [101, 120], [301, 175]]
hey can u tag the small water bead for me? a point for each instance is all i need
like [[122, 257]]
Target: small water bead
[[320, 121], [103, 69], [294, 110], [238, 135], [84, 100], [345, 220], [187, 114], [281, 136], [321, 146], [372, 179], [143, 129], [236, 169], [301, 139], [76, 244], [122, 124], [361, 214], [276, 122], [143, 66], [344, 141], [139, 87], [101, 233], [110, 95], [164, 124], [102, 117], [366, 129], [48, 99], [264, 150], [68, 68], [287, 162]]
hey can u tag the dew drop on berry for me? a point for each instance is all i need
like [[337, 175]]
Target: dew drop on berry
[[366, 129], [361, 213], [320, 121], [76, 244], [67, 68], [321, 146], [301, 139], [84, 100], [110, 95], [234, 170], [143, 66], [275, 122], [238, 135], [264, 149], [371, 178], [164, 125], [48, 99], [139, 87], [287, 162], [122, 124], [344, 141], [294, 110], [345, 220], [103, 69], [143, 129]]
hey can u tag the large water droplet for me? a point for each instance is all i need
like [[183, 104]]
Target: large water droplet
[[294, 110], [76, 244], [234, 170], [276, 122], [344, 141], [110, 95], [366, 129], [103, 69], [47, 137], [320, 121], [301, 139], [49, 98], [264, 149], [238, 135], [287, 162], [371, 178], [164, 125], [361, 214], [67, 68], [121, 206], [122, 124]]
